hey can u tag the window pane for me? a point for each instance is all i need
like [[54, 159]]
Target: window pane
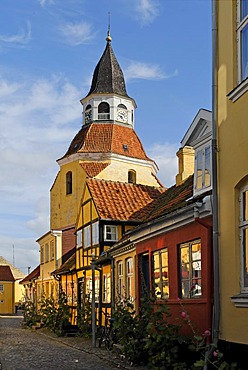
[[190, 260], [245, 206], [199, 170], [207, 166], [160, 274], [244, 8], [245, 254], [244, 46]]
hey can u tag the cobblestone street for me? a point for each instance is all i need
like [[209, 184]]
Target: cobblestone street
[[24, 349]]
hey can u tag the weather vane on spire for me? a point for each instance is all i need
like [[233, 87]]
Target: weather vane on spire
[[108, 38]]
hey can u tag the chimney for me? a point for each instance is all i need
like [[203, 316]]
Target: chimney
[[185, 164]]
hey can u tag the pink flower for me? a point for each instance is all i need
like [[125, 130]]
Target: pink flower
[[178, 299], [207, 333], [183, 314], [215, 354]]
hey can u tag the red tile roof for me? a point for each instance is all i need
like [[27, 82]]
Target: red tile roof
[[32, 276], [122, 201], [172, 199], [6, 274], [107, 138], [93, 168]]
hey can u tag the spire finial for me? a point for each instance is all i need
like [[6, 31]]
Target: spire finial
[[108, 38]]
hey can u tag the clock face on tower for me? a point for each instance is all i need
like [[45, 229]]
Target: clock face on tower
[[122, 115]]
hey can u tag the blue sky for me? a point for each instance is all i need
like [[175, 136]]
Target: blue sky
[[48, 52]]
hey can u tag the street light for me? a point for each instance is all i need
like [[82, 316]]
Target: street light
[[93, 315]]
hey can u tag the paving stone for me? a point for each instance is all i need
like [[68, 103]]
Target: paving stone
[[26, 349]]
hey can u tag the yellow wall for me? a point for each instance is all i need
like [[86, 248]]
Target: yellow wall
[[46, 284], [64, 208], [232, 168], [118, 171], [7, 304]]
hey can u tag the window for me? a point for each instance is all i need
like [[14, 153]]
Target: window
[[42, 254], [52, 250], [103, 111], [120, 281], [69, 183], [132, 177], [203, 168], [87, 241], [95, 233], [47, 252], [160, 273], [88, 114], [1, 288], [242, 38], [129, 278], [106, 288], [79, 238], [243, 226], [190, 269], [110, 233]]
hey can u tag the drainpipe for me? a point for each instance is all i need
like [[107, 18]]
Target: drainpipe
[[216, 318]]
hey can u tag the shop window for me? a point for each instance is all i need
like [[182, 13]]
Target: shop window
[[160, 274], [190, 270]]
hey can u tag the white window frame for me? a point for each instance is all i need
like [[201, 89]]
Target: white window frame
[[130, 278], [243, 225], [120, 279], [87, 236], [113, 233], [106, 288], [95, 233], [203, 187], [79, 238], [241, 24]]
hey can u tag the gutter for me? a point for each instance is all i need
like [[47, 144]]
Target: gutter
[[216, 313]]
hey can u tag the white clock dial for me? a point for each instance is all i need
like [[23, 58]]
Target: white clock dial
[[122, 116]]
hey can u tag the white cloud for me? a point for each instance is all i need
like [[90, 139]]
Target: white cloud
[[146, 71], [38, 120], [78, 33], [22, 38], [165, 157], [45, 2], [147, 10]]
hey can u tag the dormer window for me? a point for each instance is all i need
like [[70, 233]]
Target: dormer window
[[69, 183], [88, 114], [103, 111], [132, 177], [203, 168]]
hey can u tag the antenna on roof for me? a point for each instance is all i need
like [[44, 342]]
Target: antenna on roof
[[108, 38]]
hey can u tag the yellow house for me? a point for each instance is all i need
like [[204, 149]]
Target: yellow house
[[18, 276], [231, 112], [7, 291], [56, 247], [109, 210]]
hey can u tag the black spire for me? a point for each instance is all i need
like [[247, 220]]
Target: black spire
[[108, 76]]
